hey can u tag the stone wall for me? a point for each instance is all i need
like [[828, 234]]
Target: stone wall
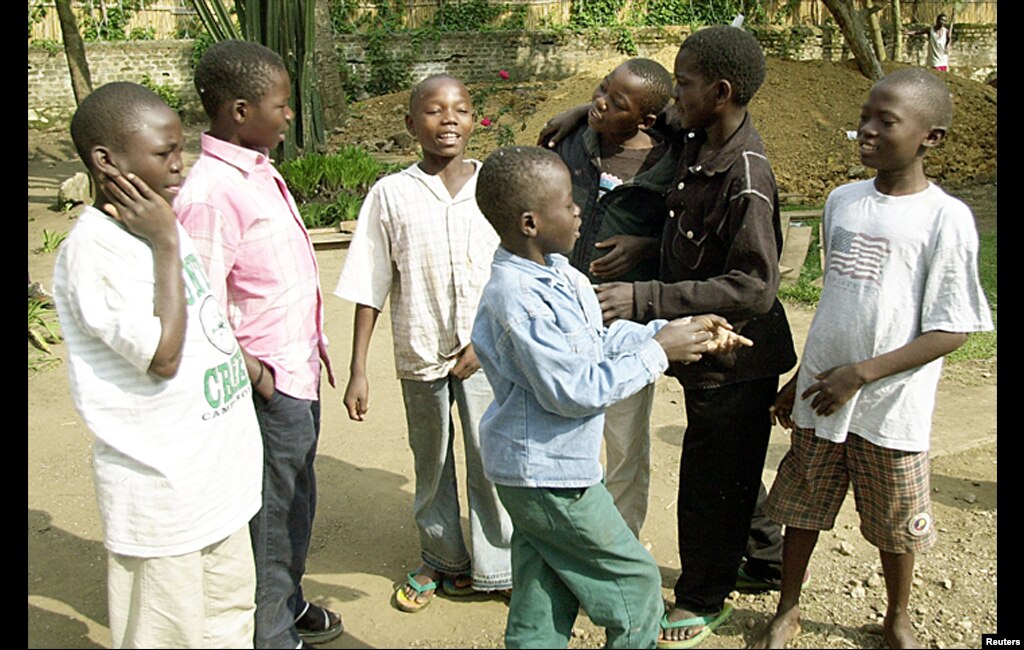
[[469, 56]]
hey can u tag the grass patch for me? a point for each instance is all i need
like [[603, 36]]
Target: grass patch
[[806, 290]]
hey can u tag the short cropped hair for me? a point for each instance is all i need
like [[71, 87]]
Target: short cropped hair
[[234, 69], [927, 93], [508, 180], [417, 90], [730, 53], [657, 84], [109, 115]]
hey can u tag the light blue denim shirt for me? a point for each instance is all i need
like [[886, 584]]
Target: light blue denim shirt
[[553, 367]]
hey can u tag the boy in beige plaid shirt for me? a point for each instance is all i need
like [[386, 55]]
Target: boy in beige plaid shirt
[[422, 240]]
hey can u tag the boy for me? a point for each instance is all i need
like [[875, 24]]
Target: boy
[[901, 291], [421, 238], [719, 253], [158, 377], [261, 264], [621, 171], [940, 37], [554, 368]]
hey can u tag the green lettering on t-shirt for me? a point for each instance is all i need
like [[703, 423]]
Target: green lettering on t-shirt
[[196, 284]]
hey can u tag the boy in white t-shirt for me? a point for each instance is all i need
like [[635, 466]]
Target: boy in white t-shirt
[[158, 377], [901, 291]]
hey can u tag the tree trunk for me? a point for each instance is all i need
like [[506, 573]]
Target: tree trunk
[[74, 51], [849, 22], [876, 27], [897, 31], [328, 73]]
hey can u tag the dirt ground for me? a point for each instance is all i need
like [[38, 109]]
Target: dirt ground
[[364, 539]]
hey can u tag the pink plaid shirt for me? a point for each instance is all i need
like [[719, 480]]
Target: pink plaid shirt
[[260, 261]]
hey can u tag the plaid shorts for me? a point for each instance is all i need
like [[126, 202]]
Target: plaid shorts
[[890, 488]]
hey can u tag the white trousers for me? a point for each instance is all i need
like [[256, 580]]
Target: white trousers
[[627, 439], [204, 599]]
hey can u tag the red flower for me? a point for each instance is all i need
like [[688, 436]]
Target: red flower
[[485, 122], [503, 74]]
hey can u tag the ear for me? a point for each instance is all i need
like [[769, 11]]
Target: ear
[[409, 126], [723, 92], [527, 225], [239, 110], [935, 136], [647, 121], [102, 161]]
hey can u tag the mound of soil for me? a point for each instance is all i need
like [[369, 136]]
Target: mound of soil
[[803, 112]]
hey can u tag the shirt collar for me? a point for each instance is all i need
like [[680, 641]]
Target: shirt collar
[[246, 160], [437, 187], [552, 272], [737, 143]]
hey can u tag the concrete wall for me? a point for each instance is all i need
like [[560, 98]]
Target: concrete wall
[[469, 56]]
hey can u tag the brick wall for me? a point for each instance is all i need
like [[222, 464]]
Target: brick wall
[[469, 56]]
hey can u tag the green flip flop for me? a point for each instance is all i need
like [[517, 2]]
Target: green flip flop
[[709, 621], [402, 601]]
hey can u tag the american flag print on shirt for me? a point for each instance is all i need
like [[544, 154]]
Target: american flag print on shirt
[[857, 255]]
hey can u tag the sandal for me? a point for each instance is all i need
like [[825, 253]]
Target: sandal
[[402, 601], [450, 585], [708, 622], [318, 624]]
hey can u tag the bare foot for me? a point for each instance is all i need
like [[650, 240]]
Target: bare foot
[[424, 575], [898, 633], [780, 630], [680, 633]]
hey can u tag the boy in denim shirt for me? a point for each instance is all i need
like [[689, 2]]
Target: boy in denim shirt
[[554, 368]]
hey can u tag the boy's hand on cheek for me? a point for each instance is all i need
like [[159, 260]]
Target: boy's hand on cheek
[[467, 363], [616, 300], [834, 388], [144, 212]]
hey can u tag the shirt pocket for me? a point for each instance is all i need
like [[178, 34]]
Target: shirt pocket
[[689, 242]]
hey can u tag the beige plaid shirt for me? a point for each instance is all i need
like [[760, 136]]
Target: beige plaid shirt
[[432, 254]]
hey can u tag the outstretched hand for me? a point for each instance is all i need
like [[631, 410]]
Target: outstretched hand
[[724, 339]]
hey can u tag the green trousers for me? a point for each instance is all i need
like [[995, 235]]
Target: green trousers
[[571, 547]]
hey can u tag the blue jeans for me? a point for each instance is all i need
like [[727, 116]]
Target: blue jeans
[[428, 413], [281, 529]]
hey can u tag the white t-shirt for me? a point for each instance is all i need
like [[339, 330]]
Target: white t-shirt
[[895, 267], [938, 56], [178, 462]]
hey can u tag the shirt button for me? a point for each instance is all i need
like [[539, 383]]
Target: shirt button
[[697, 168], [671, 213], [681, 185], [689, 234], [691, 135]]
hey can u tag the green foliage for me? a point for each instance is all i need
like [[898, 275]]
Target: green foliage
[[471, 15], [36, 14], [330, 188], [202, 42], [112, 26], [142, 34], [53, 48], [807, 291], [706, 12], [51, 240], [42, 332], [389, 72], [624, 42], [594, 13], [166, 92]]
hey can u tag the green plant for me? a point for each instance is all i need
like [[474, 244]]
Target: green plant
[[330, 187], [165, 91], [202, 42], [111, 25], [388, 73], [42, 330], [806, 290], [53, 48], [142, 34], [36, 14], [624, 41], [51, 240]]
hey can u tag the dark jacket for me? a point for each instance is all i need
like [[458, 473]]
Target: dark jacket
[[637, 207], [720, 254]]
